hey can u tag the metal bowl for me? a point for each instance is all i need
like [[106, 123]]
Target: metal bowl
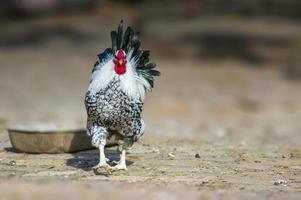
[[49, 138]]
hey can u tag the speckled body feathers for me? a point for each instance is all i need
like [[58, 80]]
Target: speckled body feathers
[[111, 109]]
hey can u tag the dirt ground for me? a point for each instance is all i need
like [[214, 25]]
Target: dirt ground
[[215, 129]]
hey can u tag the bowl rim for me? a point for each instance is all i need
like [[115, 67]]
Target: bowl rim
[[38, 127], [68, 131]]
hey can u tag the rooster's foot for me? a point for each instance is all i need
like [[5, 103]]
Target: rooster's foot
[[119, 166], [103, 165]]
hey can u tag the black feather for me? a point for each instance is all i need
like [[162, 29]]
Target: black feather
[[151, 82], [138, 55], [114, 41], [102, 58], [95, 66], [104, 55], [119, 35], [144, 57], [148, 77], [154, 72], [126, 38], [130, 39], [150, 66], [134, 44]]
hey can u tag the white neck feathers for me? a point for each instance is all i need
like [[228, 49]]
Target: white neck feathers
[[131, 83]]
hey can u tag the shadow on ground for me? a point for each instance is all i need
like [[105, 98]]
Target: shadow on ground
[[85, 160]]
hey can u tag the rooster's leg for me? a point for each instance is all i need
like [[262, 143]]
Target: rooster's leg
[[99, 136], [122, 163], [102, 160]]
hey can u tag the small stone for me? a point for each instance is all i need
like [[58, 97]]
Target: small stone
[[12, 163], [280, 182], [171, 155], [284, 166], [155, 150], [197, 155]]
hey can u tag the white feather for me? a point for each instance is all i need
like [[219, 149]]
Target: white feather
[[128, 82], [102, 77], [134, 85]]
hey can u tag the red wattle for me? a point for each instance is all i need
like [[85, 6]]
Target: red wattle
[[120, 70]]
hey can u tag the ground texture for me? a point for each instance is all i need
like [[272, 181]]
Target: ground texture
[[215, 129]]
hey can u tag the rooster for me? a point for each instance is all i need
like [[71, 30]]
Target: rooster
[[120, 79]]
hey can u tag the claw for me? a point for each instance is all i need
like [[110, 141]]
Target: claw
[[101, 165], [105, 166], [115, 162], [119, 166]]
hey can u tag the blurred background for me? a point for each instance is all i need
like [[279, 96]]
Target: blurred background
[[231, 69]]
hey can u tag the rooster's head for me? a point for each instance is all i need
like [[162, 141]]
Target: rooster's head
[[120, 62]]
